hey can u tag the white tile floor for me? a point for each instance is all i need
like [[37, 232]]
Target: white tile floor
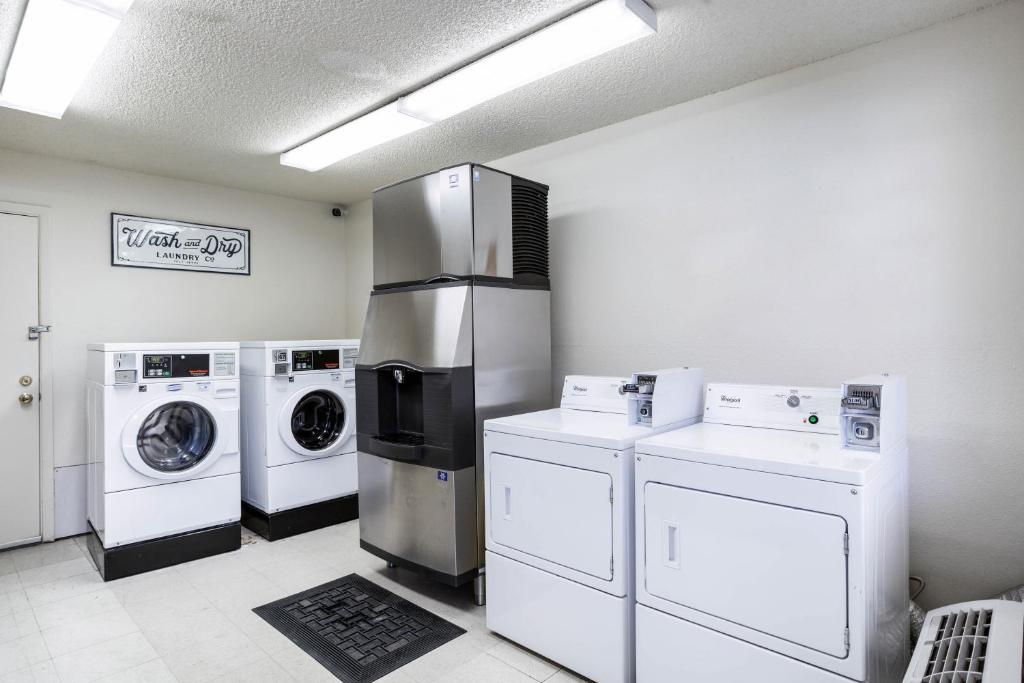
[[60, 622]]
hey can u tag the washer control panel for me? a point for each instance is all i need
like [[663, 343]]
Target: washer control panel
[[165, 366], [302, 361], [306, 360], [157, 366], [153, 364]]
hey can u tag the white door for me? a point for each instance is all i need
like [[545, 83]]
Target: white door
[[19, 380], [557, 513], [776, 569]]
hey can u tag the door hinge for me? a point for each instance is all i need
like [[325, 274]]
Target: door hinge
[[846, 544], [611, 494], [846, 639], [611, 565], [35, 330]]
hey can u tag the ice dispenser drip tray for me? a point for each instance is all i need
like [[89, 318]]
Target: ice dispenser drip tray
[[413, 415]]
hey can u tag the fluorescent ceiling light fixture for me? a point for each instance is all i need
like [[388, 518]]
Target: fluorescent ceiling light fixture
[[375, 128], [57, 45], [592, 31]]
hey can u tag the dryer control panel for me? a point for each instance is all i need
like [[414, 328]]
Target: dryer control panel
[[807, 409], [594, 394]]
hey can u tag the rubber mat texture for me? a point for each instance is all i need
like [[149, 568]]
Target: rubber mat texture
[[356, 629]]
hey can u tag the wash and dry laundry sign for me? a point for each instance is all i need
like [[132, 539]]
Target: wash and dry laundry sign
[[157, 243]]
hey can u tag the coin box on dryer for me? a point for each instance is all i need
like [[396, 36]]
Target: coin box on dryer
[[659, 398]]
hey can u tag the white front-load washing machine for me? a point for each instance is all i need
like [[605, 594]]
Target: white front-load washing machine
[[771, 538], [559, 520], [298, 435], [163, 457]]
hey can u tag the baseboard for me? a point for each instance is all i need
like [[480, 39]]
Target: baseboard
[[277, 525]]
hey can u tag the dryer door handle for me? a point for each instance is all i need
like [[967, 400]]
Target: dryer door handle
[[508, 502], [670, 544]]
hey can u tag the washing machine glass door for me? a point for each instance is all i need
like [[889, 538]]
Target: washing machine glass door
[[176, 436], [318, 420], [315, 421]]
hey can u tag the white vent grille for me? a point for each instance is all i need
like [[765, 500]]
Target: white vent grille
[[970, 643], [958, 653]]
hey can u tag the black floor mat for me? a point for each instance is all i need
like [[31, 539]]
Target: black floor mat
[[356, 629]]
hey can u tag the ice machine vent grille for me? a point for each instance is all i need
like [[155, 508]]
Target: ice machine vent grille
[[959, 648], [529, 230]]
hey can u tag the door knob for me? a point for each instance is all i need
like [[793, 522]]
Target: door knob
[[25, 399], [25, 380]]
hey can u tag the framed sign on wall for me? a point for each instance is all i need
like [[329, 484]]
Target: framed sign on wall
[[140, 242]]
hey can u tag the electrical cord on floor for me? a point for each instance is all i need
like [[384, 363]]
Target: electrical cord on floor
[[920, 588]]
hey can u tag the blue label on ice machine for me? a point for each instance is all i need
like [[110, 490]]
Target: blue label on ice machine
[[442, 475]]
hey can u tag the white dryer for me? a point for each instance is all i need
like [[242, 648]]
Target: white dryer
[[558, 506], [771, 539], [163, 461], [298, 435]]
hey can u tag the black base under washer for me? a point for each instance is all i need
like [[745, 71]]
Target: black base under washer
[[145, 556], [277, 525]]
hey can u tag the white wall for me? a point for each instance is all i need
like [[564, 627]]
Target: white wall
[[358, 265], [296, 289], [859, 214]]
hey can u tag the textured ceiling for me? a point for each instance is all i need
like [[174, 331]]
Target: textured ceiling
[[214, 90]]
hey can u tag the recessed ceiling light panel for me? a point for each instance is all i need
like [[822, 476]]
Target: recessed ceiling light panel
[[57, 44]]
